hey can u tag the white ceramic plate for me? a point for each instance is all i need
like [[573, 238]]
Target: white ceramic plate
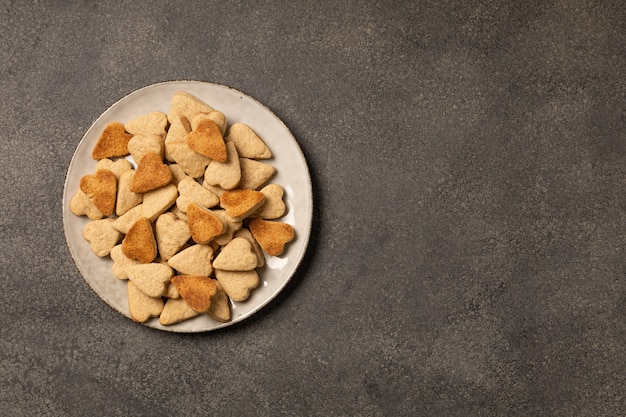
[[292, 174]]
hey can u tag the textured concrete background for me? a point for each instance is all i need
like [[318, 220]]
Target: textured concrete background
[[468, 164]]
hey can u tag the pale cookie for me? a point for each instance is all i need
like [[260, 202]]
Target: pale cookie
[[186, 105], [126, 199], [271, 235], [274, 206], [140, 145], [194, 260], [206, 139], [175, 311], [196, 290], [81, 205], [220, 305], [126, 221], [156, 202], [217, 116], [254, 174], [248, 143], [232, 226], [191, 162], [171, 234], [101, 188], [218, 191], [139, 243], [179, 213], [238, 284], [245, 233], [151, 174], [121, 262], [153, 123], [204, 225], [151, 279], [171, 291], [179, 128], [237, 255], [113, 141], [141, 306], [117, 167], [241, 203], [227, 174], [101, 236], [178, 174], [190, 191]]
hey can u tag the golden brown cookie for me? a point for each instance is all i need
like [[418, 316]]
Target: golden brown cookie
[[113, 141], [241, 203], [271, 235], [204, 225], [151, 174], [101, 188], [206, 139], [139, 243], [196, 290]]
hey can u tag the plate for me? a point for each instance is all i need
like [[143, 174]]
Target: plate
[[292, 174]]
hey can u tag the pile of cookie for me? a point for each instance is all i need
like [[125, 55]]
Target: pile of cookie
[[187, 228]]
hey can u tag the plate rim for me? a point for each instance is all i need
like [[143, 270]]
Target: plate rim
[[309, 198]]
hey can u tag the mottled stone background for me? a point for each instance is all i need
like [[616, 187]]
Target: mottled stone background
[[468, 165]]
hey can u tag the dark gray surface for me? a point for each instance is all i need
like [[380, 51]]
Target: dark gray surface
[[467, 256]]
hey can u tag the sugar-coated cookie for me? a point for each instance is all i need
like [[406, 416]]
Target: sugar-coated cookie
[[113, 141]]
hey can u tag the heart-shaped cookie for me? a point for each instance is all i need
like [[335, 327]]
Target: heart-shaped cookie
[[101, 236], [177, 132], [81, 205], [220, 305], [101, 188], [274, 206], [151, 174], [224, 174], [151, 279], [175, 311], [237, 255], [171, 234], [206, 139], [196, 290], [191, 162], [254, 173], [271, 235], [139, 243], [190, 191], [157, 201], [232, 226], [153, 123], [140, 145], [217, 116], [121, 262], [117, 167], [126, 199], [141, 306], [245, 233], [248, 143], [194, 260], [204, 225], [184, 104], [113, 141], [238, 284], [241, 203]]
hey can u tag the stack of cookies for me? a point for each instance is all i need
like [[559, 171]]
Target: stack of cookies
[[188, 225]]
